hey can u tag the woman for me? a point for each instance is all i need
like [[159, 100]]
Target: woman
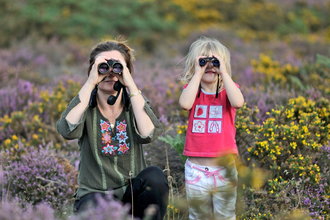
[[111, 133]]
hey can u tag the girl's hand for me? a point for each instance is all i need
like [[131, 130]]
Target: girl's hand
[[198, 68], [222, 68]]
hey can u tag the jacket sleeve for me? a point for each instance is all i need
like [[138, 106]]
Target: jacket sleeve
[[65, 128], [158, 130]]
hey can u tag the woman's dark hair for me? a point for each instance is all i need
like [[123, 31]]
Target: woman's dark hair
[[119, 45]]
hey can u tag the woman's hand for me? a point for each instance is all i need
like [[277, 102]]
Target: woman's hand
[[94, 76], [125, 77]]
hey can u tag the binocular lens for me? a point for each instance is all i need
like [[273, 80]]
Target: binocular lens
[[117, 68], [216, 62], [103, 68], [202, 62]]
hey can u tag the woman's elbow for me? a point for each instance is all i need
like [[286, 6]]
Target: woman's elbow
[[146, 132]]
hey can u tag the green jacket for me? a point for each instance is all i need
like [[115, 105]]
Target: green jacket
[[107, 155]]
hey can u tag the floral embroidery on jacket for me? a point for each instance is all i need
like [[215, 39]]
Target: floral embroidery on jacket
[[106, 137], [122, 137], [109, 149], [105, 126], [109, 137], [121, 127], [123, 148]]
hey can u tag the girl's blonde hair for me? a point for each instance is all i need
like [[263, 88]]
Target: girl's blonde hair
[[202, 47]]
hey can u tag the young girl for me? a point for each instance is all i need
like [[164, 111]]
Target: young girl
[[211, 97]]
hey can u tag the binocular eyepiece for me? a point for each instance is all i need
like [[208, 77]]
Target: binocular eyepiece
[[203, 61], [104, 68]]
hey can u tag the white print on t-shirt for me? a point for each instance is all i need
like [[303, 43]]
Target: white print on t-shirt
[[198, 126], [206, 126], [215, 111], [200, 111], [214, 127]]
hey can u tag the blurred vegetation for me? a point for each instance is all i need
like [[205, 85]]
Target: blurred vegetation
[[317, 76], [146, 22], [143, 21]]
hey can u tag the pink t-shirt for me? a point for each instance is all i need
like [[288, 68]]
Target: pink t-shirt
[[211, 127]]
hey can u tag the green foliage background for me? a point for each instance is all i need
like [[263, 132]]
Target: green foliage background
[[143, 21], [149, 22]]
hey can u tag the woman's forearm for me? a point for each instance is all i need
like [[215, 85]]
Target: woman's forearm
[[76, 113], [143, 121]]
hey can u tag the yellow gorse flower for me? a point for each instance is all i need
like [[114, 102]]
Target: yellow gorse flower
[[14, 137], [7, 142]]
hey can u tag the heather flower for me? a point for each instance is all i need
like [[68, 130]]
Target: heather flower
[[11, 210], [38, 177], [107, 208]]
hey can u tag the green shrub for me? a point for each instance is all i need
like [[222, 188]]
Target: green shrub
[[178, 141], [288, 141], [141, 20], [289, 145], [315, 75]]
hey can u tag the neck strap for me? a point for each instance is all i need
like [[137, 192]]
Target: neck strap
[[200, 89]]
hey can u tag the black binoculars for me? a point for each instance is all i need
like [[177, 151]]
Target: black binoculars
[[116, 67], [203, 61]]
